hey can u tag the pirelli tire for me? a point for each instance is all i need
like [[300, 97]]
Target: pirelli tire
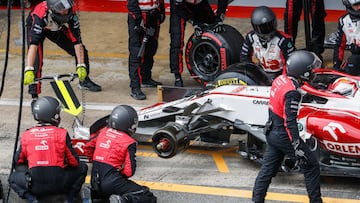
[[242, 74], [208, 55]]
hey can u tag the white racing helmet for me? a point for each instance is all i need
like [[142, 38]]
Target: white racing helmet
[[344, 86]]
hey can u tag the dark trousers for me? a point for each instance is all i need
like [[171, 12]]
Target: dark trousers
[[140, 67], [277, 147], [292, 16], [106, 180], [48, 181]]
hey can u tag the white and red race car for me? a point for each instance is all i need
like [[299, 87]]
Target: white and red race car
[[328, 121]]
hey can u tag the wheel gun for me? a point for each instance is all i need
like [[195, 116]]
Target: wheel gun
[[149, 32]]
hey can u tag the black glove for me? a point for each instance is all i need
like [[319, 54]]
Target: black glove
[[355, 49], [139, 24], [337, 66], [162, 13], [300, 154], [219, 25], [198, 30], [179, 6]]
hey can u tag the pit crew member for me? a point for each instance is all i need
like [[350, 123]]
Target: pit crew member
[[46, 161], [112, 152], [144, 19], [348, 32], [282, 136], [266, 45]]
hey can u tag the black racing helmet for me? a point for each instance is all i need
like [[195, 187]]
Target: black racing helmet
[[301, 63], [264, 23], [47, 110], [348, 4], [124, 118], [57, 6]]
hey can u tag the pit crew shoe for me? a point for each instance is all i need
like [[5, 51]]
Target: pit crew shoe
[[116, 199], [150, 83], [179, 82], [86, 194], [31, 198], [331, 39], [88, 84], [137, 94]]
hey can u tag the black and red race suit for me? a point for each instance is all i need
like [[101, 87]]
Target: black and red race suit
[[53, 166], [348, 32], [271, 55], [283, 108], [113, 158], [144, 18], [292, 16], [41, 25], [199, 12]]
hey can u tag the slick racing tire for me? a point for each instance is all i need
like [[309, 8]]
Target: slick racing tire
[[208, 55], [242, 74]]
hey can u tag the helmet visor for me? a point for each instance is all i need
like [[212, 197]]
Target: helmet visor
[[317, 63], [265, 28], [308, 75], [133, 127]]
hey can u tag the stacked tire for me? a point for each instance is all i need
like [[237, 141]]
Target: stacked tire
[[211, 53]]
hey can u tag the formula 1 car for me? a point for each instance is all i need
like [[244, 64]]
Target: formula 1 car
[[238, 104], [328, 121]]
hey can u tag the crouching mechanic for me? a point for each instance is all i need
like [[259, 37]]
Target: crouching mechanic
[[51, 164], [270, 47], [283, 138], [112, 153], [57, 21]]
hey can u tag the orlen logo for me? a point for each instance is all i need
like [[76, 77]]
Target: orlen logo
[[43, 146], [331, 127], [343, 148]]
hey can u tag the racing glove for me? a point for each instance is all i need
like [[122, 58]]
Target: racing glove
[[337, 66], [300, 154], [81, 71], [198, 31], [179, 5], [219, 24], [29, 76], [179, 9], [139, 24], [355, 49]]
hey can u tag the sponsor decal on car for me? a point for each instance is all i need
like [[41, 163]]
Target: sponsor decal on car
[[343, 148]]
